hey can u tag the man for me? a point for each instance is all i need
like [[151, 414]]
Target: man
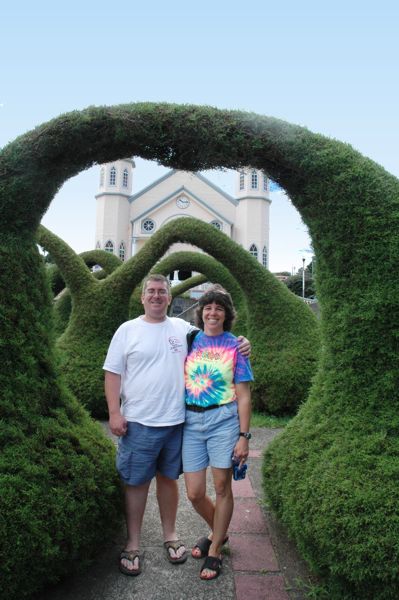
[[144, 368]]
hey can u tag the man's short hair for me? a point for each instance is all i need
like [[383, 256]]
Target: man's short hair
[[155, 277], [218, 295]]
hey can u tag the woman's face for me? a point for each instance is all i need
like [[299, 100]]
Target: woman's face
[[213, 315]]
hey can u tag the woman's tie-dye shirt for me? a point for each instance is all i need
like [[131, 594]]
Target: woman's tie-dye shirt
[[212, 368]]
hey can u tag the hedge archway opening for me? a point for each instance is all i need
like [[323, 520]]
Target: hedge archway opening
[[332, 475], [282, 329]]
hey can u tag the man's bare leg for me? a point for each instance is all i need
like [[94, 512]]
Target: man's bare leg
[[135, 503], [168, 500]]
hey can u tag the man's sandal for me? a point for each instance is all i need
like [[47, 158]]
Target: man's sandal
[[212, 563], [131, 556], [203, 545], [175, 545]]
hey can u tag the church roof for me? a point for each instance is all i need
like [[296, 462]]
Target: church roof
[[179, 190], [170, 174]]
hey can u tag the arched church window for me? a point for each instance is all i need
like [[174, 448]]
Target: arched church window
[[242, 180], [265, 183], [102, 176], [147, 225], [264, 257], [125, 178], [109, 247], [112, 176], [253, 250], [254, 180], [122, 251], [217, 224]]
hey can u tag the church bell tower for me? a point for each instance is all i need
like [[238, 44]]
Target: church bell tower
[[113, 208], [252, 213]]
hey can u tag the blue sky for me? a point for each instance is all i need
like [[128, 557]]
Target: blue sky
[[332, 67]]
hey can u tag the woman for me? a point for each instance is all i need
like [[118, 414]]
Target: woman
[[216, 430]]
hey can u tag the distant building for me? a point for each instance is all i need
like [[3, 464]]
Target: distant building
[[125, 221]]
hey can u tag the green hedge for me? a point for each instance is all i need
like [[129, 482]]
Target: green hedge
[[136, 306], [59, 496], [62, 302], [350, 206], [213, 271], [282, 329]]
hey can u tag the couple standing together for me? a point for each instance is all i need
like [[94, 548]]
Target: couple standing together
[[178, 412]]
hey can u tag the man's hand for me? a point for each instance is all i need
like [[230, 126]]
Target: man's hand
[[118, 424], [244, 346]]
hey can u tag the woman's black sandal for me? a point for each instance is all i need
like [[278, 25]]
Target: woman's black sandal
[[213, 564], [203, 544]]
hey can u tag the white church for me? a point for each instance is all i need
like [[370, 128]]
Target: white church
[[126, 220]]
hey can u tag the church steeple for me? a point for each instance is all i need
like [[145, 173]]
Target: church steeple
[[252, 182], [252, 213], [116, 177], [113, 209]]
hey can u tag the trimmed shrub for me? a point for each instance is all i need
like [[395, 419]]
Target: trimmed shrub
[[62, 307], [351, 208], [63, 302], [212, 270], [136, 306], [59, 495], [282, 329]]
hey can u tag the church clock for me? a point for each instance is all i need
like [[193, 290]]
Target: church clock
[[183, 202]]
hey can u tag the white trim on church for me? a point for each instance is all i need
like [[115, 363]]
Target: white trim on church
[[125, 221]]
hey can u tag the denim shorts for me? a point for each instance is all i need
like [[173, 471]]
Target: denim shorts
[[209, 438], [145, 450]]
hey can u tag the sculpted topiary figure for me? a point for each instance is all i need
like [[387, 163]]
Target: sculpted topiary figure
[[282, 329], [213, 271], [332, 474], [62, 302]]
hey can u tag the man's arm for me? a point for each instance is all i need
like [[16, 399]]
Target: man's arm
[[244, 346], [117, 421]]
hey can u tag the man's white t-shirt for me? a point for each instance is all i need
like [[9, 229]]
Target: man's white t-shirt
[[150, 359]]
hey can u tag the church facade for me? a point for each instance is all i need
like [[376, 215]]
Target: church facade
[[126, 220]]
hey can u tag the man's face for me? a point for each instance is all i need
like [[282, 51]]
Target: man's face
[[156, 299]]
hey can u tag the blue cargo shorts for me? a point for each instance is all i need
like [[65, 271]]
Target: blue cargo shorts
[[143, 451]]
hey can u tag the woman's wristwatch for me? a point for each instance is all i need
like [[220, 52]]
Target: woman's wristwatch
[[246, 434]]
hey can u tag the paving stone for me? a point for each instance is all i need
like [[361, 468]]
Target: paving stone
[[260, 587], [251, 552], [255, 453], [247, 517], [243, 488]]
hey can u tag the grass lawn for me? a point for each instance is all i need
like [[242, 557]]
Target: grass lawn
[[262, 420]]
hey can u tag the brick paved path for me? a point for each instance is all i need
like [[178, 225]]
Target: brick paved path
[[260, 564], [257, 574]]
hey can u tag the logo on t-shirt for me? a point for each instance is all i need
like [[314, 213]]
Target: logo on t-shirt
[[175, 344], [207, 355]]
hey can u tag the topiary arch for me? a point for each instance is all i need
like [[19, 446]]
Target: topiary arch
[[107, 261], [342, 512], [280, 326], [62, 304], [213, 271]]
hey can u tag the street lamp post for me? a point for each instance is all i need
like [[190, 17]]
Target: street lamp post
[[303, 278]]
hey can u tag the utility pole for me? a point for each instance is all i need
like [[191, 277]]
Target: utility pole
[[303, 278]]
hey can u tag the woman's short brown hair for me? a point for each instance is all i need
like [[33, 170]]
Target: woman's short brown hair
[[218, 295]]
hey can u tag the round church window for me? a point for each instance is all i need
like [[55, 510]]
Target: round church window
[[148, 225], [217, 224]]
